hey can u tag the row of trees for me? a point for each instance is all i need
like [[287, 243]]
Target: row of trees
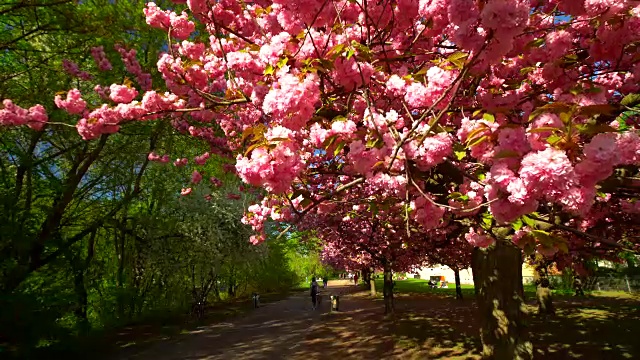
[[393, 126]]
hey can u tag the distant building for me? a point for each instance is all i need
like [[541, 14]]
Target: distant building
[[442, 272]]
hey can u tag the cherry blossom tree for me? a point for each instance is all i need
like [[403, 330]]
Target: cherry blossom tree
[[359, 237], [504, 112], [448, 246]]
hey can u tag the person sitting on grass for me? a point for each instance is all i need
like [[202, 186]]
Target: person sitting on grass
[[314, 292]]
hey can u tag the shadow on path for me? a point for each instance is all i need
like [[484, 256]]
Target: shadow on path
[[424, 327], [273, 331]]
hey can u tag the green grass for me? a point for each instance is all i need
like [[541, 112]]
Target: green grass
[[419, 286]]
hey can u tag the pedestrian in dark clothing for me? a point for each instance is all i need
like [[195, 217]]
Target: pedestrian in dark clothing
[[314, 292]]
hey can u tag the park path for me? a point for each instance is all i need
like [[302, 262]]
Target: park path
[[425, 327], [285, 329]]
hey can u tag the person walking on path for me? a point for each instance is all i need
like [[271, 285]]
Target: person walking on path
[[325, 281], [314, 292], [355, 278]]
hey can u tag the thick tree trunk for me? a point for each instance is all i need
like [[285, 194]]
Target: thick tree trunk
[[231, 291], [456, 273], [79, 269], [388, 290], [81, 293], [366, 277], [497, 273]]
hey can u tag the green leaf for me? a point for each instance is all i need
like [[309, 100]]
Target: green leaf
[[478, 141], [543, 237], [375, 143], [517, 225], [591, 110], [622, 120], [458, 55], [544, 129], [593, 129], [489, 117], [373, 207], [269, 70], [631, 100], [526, 70], [282, 62], [458, 59], [506, 154], [553, 139], [455, 195], [565, 117], [576, 91], [487, 219], [338, 149], [528, 221], [252, 147], [326, 64], [529, 246], [329, 141], [535, 43], [335, 51], [473, 134], [350, 52]]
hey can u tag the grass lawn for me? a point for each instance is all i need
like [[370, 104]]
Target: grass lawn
[[419, 286]]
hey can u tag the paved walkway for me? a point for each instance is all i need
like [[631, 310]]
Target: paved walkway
[[284, 329]]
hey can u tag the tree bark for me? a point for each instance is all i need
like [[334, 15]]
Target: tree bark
[[497, 275], [456, 273], [366, 277], [388, 290], [80, 267], [81, 292]]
